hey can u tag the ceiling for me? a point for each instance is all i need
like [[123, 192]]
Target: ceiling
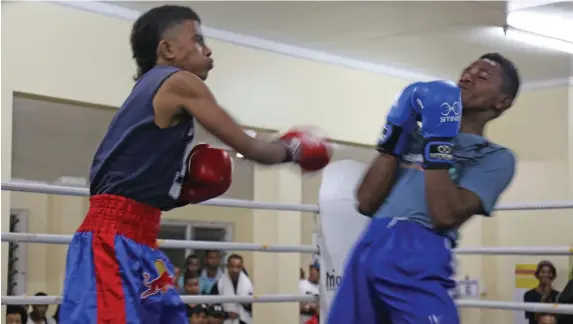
[[433, 38]]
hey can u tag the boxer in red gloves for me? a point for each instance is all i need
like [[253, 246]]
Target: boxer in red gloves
[[146, 163]]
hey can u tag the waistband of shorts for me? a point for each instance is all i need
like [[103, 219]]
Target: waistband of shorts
[[111, 214], [450, 243]]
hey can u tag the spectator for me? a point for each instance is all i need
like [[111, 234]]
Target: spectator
[[547, 319], [192, 268], [16, 314], [38, 314], [215, 314], [56, 316], [212, 271], [234, 282], [566, 297], [197, 314], [544, 292], [191, 285], [309, 286]]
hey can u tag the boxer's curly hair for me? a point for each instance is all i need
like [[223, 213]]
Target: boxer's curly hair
[[511, 79], [148, 30]]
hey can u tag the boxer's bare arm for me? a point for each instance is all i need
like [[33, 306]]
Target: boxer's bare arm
[[185, 90], [449, 205], [377, 183]]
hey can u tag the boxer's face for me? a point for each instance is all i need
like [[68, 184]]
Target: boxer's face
[[481, 84], [184, 47]]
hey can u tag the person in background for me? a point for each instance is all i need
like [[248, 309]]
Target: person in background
[[192, 268], [191, 285], [302, 274], [15, 314], [211, 272], [315, 319], [216, 314], [544, 292], [566, 297], [56, 316], [547, 319], [309, 287], [234, 282], [197, 314], [38, 313]]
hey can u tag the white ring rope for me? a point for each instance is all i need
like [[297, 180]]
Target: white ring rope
[[517, 250], [238, 203], [171, 244], [206, 299], [533, 307], [221, 202], [232, 246]]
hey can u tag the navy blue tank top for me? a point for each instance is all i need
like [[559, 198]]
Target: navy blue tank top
[[136, 158]]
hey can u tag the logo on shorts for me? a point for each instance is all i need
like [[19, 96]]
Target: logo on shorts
[[160, 284]]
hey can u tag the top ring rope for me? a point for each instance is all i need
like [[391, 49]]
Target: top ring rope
[[238, 203], [221, 202]]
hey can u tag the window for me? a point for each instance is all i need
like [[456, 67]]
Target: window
[[196, 231], [17, 254]]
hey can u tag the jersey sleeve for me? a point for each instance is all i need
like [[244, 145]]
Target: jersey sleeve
[[489, 177]]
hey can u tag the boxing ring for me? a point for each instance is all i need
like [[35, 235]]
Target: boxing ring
[[329, 202]]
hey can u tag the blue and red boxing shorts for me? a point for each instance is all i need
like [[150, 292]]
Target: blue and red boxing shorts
[[115, 273], [399, 272]]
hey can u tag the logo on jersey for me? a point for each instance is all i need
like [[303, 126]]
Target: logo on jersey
[[451, 112], [160, 284]]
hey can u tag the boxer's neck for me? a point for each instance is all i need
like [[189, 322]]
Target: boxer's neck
[[471, 125]]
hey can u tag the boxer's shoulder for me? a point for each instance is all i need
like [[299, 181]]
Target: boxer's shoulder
[[183, 83]]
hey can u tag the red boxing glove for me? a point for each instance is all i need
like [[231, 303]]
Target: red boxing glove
[[209, 175], [311, 152]]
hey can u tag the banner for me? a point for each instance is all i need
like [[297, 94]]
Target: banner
[[524, 280], [341, 225]]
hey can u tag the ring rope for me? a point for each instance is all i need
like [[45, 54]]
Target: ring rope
[[221, 202], [171, 244], [273, 298], [277, 248], [239, 203], [532, 307]]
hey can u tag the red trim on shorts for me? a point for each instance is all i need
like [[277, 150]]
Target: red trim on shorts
[[108, 217], [109, 286], [116, 215]]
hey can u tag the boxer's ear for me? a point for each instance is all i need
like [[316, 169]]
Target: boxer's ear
[[503, 103], [165, 50]]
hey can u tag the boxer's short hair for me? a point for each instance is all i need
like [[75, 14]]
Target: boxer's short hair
[[511, 79], [148, 29]]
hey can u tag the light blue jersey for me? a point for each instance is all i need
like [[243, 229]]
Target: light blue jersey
[[481, 167]]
